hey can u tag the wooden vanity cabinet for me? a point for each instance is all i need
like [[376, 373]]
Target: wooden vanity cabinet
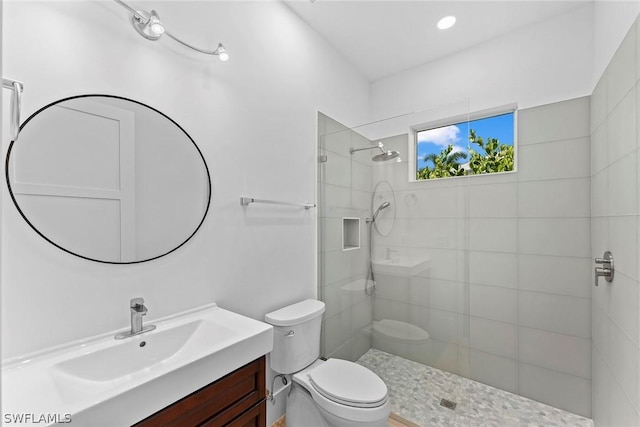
[[236, 400]]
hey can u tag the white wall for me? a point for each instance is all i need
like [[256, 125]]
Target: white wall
[[543, 63], [253, 117], [611, 22]]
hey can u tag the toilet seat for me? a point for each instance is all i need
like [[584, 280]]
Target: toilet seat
[[348, 383], [346, 389]]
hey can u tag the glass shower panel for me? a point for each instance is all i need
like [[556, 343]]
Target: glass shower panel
[[400, 296], [344, 195]]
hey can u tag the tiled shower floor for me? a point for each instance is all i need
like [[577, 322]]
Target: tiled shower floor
[[415, 392]]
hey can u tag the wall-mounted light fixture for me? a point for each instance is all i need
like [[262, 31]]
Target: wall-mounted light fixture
[[149, 26]]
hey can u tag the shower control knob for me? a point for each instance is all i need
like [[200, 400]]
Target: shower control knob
[[607, 270]]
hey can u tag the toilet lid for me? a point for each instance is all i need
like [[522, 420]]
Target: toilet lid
[[348, 383]]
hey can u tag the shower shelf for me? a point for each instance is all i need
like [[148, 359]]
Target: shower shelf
[[246, 201], [350, 233]]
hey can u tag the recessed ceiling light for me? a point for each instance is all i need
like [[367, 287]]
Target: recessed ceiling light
[[446, 22]]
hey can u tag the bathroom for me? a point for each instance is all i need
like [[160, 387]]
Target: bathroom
[[255, 118]]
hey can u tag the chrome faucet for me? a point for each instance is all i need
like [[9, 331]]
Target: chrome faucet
[[138, 309]]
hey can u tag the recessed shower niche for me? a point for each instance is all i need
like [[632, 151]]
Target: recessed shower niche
[[350, 234]]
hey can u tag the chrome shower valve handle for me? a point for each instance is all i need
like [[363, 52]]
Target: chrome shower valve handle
[[607, 270]]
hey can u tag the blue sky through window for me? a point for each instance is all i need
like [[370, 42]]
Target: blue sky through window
[[435, 140]]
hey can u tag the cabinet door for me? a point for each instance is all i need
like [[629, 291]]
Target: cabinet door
[[218, 404]]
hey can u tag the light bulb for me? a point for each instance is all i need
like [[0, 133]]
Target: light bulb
[[156, 26], [446, 22], [222, 53]]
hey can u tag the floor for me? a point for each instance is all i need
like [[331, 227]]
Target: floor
[[416, 392]]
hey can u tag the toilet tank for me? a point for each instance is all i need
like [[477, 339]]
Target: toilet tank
[[296, 335]]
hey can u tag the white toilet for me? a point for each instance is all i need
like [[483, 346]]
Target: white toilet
[[331, 393]]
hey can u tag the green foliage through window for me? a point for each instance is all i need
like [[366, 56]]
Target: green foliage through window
[[479, 156]]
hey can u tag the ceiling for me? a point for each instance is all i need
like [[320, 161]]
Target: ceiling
[[381, 38]]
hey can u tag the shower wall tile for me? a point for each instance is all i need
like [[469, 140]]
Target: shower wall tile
[[494, 370], [559, 352], [600, 194], [337, 266], [338, 141], [442, 326], [636, 28], [420, 291], [360, 176], [340, 326], [446, 264], [434, 233], [556, 313], [624, 363], [623, 412], [392, 310], [493, 234], [493, 200], [332, 234], [337, 170], [447, 206], [615, 227], [446, 295], [554, 236], [562, 120], [555, 275], [601, 332], [554, 160], [490, 336], [393, 288], [623, 243], [493, 302], [557, 198], [493, 268], [624, 307], [600, 147], [621, 128], [555, 388]]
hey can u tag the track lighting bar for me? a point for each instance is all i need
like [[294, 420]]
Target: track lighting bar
[[149, 26]]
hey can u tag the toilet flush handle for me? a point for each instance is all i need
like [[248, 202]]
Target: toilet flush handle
[[290, 334]]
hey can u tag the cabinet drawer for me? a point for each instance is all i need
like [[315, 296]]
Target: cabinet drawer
[[224, 400], [254, 417]]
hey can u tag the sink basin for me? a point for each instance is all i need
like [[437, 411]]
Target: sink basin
[[92, 379], [142, 352], [401, 265]]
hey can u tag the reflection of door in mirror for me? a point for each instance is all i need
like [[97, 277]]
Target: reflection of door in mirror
[[86, 201], [108, 179]]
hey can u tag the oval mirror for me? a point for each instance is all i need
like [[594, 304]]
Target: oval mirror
[[108, 179]]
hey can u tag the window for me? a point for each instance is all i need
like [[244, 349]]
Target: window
[[481, 146]]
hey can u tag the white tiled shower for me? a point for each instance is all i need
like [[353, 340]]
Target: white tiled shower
[[507, 299]]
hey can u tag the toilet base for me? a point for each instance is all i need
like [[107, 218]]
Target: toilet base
[[302, 411]]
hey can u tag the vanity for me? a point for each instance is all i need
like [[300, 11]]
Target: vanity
[[204, 366]]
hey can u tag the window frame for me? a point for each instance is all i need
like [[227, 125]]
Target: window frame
[[454, 120]]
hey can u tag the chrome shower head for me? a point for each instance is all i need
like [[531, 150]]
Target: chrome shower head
[[387, 155], [384, 205], [383, 156]]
